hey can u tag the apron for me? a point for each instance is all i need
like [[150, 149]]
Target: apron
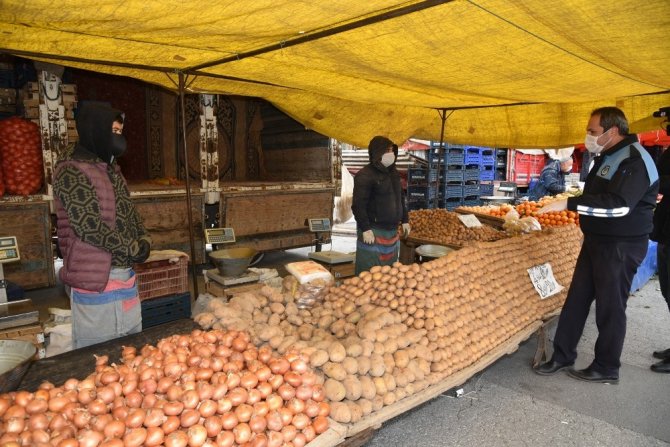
[[112, 313], [384, 251]]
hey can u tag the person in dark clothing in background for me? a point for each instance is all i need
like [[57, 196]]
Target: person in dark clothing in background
[[616, 212], [661, 235], [552, 178], [379, 207], [100, 233]]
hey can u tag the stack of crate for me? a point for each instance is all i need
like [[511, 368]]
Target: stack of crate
[[7, 102], [422, 187], [452, 177], [486, 171], [471, 177], [31, 98], [500, 165], [163, 290]]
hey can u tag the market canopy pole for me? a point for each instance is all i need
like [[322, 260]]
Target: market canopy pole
[[182, 115]]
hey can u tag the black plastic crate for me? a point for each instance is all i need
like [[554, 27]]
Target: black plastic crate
[[421, 175], [421, 192], [471, 173], [487, 173], [455, 155], [500, 174], [161, 310], [471, 201]]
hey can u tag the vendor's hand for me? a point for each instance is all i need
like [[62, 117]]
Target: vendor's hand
[[368, 237], [557, 205], [139, 251], [406, 229]]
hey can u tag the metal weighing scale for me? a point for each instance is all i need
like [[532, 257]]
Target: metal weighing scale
[[216, 236], [322, 227], [15, 313]]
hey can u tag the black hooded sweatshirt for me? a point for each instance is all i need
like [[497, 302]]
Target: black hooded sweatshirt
[[378, 200]]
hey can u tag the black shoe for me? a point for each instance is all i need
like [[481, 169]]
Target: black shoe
[[662, 367], [551, 367], [590, 375], [662, 354]]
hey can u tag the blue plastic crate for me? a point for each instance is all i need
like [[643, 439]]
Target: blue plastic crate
[[452, 191], [453, 174], [471, 190], [487, 156], [471, 201], [421, 192], [486, 189], [471, 173], [161, 310], [455, 156], [472, 156], [421, 175], [451, 204], [487, 173]]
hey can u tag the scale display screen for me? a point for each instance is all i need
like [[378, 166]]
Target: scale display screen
[[9, 249], [319, 225], [219, 235]]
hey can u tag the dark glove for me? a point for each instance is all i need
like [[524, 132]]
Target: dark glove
[[139, 251]]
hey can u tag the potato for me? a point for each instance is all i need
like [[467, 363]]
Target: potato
[[350, 365], [336, 352], [380, 386], [334, 391], [277, 308], [363, 365], [401, 358], [353, 388], [377, 367], [368, 390], [318, 358], [340, 412], [365, 405], [334, 371], [356, 412]]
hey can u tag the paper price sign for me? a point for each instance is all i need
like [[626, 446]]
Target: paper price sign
[[542, 277], [470, 220]]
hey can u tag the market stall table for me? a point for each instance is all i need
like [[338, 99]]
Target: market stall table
[[79, 363]]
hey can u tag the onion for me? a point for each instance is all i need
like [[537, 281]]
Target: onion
[[286, 391], [320, 424], [233, 380], [189, 417], [286, 415], [279, 366], [106, 394], [276, 381], [81, 418], [249, 380], [97, 406], [148, 386], [15, 425], [173, 408], [174, 392], [135, 437], [259, 440], [37, 406], [197, 435], [112, 443], [171, 424], [275, 439], [89, 438], [244, 412], [300, 440], [289, 432], [242, 433], [155, 437], [274, 421], [229, 421], [38, 421], [100, 422], [304, 392], [115, 429], [225, 439], [207, 408], [176, 439], [309, 433], [190, 399], [300, 420], [155, 417], [213, 425]]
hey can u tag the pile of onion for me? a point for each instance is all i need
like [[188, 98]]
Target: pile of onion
[[204, 389]]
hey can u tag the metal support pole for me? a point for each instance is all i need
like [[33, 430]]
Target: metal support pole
[[182, 87], [441, 152]]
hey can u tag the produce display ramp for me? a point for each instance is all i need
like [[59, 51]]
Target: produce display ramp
[[339, 434], [492, 221]]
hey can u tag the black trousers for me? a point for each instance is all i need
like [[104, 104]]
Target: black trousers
[[604, 272], [662, 257]]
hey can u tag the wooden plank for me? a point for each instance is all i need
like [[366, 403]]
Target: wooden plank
[[300, 164], [31, 224], [456, 379], [165, 218], [493, 221], [254, 213]]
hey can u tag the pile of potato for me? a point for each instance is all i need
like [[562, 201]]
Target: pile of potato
[[444, 227], [393, 331]]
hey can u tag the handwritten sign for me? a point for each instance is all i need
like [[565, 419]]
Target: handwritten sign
[[470, 220], [542, 277]]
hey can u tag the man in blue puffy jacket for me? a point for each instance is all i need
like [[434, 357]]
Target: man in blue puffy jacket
[[552, 178]]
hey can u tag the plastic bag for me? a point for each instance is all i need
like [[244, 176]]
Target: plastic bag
[[343, 203], [308, 293], [60, 339]]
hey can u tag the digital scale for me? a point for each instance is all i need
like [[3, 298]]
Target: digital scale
[[332, 257], [319, 225], [15, 313], [219, 235], [245, 278]]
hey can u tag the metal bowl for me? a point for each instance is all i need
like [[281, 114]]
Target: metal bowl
[[15, 358], [432, 251], [233, 261]]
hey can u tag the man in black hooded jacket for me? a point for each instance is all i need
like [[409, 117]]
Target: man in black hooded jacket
[[379, 207]]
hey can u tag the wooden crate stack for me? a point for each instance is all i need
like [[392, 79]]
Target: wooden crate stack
[[31, 97], [33, 333], [7, 102]]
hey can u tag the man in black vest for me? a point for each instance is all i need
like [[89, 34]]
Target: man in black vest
[[616, 212]]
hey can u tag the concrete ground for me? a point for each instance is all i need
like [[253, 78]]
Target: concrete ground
[[509, 405]]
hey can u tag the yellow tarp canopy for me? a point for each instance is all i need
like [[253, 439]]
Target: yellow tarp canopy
[[522, 73]]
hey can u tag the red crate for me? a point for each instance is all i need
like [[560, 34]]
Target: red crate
[[161, 278], [527, 167]]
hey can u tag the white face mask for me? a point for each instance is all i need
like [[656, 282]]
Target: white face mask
[[591, 143], [388, 158]]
